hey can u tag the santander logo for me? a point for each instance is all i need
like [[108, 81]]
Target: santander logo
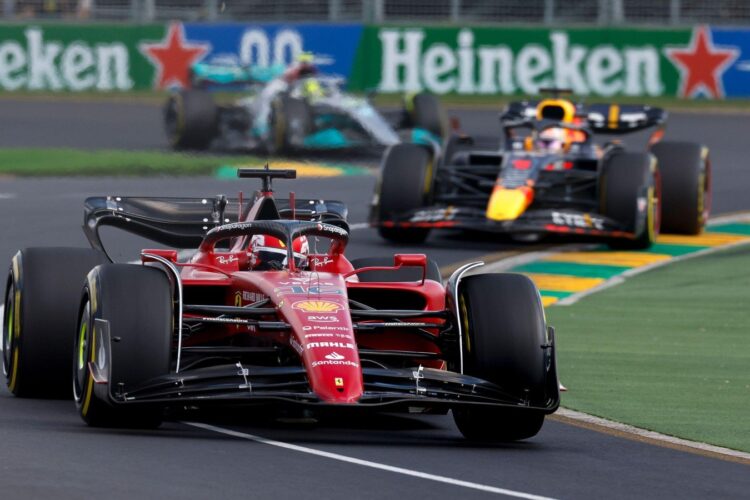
[[334, 356]]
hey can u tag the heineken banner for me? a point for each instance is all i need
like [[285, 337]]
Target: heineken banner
[[703, 61], [699, 62], [77, 58]]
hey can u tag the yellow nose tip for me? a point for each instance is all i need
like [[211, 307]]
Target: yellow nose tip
[[508, 204]]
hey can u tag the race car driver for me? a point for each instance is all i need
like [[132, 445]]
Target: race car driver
[[269, 253]]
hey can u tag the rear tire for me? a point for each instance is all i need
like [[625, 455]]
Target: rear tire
[[290, 122], [406, 183], [403, 274], [41, 309], [427, 113], [191, 119], [685, 186], [136, 303], [505, 341], [628, 180]]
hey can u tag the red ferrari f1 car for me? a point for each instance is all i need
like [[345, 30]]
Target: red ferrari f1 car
[[260, 316]]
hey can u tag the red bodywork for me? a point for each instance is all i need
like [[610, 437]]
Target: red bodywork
[[313, 302]]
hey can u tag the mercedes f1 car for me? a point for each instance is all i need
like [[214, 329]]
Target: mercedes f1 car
[[304, 328], [300, 109], [549, 176]]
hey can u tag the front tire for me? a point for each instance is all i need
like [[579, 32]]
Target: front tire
[[426, 112], [629, 192], [686, 186], [290, 122], [191, 119], [506, 342], [41, 308], [135, 303], [406, 184]]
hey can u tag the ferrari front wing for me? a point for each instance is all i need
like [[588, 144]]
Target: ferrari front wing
[[238, 385]]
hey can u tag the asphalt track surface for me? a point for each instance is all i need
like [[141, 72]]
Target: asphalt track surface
[[46, 451]]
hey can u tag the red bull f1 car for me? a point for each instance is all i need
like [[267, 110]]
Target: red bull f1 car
[[549, 176], [290, 325]]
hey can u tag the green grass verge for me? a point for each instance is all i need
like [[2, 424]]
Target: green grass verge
[[481, 101], [668, 350], [60, 162]]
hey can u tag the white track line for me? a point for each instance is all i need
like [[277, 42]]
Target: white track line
[[358, 225], [367, 463], [629, 429]]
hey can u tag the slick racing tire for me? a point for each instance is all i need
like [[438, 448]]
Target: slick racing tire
[[426, 112], [41, 311], [134, 304], [685, 171], [191, 119], [290, 122], [628, 180], [403, 274], [406, 183], [505, 341], [454, 145]]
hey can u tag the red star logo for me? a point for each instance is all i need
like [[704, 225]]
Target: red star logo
[[173, 57], [701, 65]]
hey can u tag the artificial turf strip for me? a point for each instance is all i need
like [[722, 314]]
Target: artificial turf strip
[[668, 350], [733, 228], [555, 293], [62, 162], [571, 269], [673, 250]]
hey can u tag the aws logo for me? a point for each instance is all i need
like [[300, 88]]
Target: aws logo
[[316, 306]]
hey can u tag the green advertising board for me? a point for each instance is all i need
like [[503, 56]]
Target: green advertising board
[[491, 60], [75, 58], [692, 62]]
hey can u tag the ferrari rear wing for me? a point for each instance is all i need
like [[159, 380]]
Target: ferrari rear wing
[[184, 222]]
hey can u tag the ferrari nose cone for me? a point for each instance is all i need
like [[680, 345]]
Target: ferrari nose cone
[[334, 369], [317, 308]]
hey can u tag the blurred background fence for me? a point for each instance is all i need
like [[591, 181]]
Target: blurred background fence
[[601, 12]]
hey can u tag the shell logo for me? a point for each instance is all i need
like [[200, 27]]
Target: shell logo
[[316, 306]]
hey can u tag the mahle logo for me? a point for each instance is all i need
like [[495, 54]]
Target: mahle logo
[[38, 64], [410, 65]]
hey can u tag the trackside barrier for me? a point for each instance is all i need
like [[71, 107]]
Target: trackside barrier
[[698, 62]]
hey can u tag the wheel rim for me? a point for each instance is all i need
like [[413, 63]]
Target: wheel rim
[[704, 196], [80, 367], [651, 215], [8, 330], [173, 120], [656, 207], [465, 322]]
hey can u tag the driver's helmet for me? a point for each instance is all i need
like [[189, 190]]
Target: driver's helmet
[[553, 139], [306, 64], [269, 253], [311, 88]]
